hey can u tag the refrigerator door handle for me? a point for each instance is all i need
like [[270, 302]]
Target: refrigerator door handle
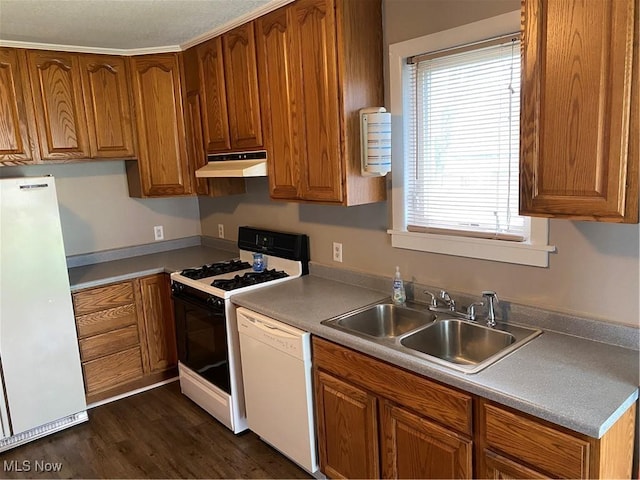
[[33, 185]]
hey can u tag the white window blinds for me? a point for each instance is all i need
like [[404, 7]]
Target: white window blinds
[[463, 141]]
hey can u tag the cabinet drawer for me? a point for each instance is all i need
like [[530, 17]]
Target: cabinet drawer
[[106, 320], [95, 299], [539, 445], [112, 370], [108, 343]]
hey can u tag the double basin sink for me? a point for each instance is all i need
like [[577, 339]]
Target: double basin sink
[[453, 342]]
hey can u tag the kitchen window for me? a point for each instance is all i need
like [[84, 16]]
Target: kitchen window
[[455, 99]]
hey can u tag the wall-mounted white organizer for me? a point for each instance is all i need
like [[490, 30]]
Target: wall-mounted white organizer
[[375, 141]]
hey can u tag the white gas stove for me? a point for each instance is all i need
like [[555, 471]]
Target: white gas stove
[[206, 327], [224, 279]]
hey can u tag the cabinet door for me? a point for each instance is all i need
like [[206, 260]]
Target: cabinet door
[[213, 187], [215, 118], [162, 158], [316, 79], [579, 112], [498, 467], [195, 142], [243, 99], [57, 94], [106, 94], [347, 429], [277, 69], [158, 323], [18, 135], [413, 447]]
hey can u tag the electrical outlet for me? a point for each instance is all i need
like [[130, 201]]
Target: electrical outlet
[[337, 252], [158, 232], [220, 230]]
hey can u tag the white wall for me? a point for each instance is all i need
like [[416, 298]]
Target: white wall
[[595, 272], [97, 213]]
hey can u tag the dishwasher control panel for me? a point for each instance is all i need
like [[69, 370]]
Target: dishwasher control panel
[[276, 334]]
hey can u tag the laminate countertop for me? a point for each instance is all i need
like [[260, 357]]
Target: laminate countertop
[[139, 266], [579, 384]]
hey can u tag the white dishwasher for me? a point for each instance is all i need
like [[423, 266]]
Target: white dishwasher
[[276, 368]]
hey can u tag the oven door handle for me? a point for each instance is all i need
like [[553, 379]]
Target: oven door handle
[[196, 302]]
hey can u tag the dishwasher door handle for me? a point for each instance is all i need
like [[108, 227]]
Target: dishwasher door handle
[[273, 329]]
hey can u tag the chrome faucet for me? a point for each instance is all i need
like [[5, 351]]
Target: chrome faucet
[[444, 299], [443, 303], [492, 300], [448, 301], [471, 311]]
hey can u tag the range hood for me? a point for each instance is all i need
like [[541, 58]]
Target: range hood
[[246, 164]]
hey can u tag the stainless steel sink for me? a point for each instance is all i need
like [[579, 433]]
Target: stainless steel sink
[[458, 341], [465, 346], [382, 320], [455, 343]]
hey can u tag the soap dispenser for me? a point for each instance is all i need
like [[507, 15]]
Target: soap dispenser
[[399, 296]]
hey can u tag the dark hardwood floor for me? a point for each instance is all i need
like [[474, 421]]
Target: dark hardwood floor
[[156, 434]]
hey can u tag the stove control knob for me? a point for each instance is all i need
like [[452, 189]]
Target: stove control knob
[[176, 287], [215, 302]]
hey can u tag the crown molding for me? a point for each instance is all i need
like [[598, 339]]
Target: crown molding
[[83, 49], [236, 22], [269, 7]]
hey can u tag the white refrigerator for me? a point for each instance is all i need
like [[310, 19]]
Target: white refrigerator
[[40, 371]]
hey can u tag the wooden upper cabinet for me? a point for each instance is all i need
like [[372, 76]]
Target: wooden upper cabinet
[[106, 94], [229, 88], [195, 143], [57, 93], [162, 168], [215, 118], [213, 187], [18, 134], [283, 137], [580, 115], [317, 90], [243, 101], [320, 62]]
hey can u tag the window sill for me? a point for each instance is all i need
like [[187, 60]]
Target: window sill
[[522, 253]]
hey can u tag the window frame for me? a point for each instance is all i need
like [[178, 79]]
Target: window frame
[[534, 251]]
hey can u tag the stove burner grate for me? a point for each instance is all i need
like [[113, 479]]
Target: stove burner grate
[[213, 269], [248, 279]]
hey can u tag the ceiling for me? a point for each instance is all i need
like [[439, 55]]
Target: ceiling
[[122, 26]]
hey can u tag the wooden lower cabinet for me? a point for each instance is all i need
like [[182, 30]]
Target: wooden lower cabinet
[[415, 447], [160, 333], [105, 373], [125, 335], [498, 467], [348, 429], [376, 420], [516, 445]]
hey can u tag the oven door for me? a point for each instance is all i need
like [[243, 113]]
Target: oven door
[[201, 333]]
